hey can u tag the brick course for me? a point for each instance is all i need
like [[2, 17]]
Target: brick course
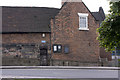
[[12, 42], [24, 38], [83, 44]]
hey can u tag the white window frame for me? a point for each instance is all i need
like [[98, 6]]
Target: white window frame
[[55, 48], [86, 16]]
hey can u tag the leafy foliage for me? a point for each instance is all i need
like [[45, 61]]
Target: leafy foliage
[[109, 31]]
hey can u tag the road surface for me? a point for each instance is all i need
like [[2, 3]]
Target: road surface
[[58, 73]]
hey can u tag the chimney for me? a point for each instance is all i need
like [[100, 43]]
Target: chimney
[[63, 1], [101, 11]]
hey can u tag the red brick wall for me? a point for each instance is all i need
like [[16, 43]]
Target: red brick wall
[[83, 44], [8, 40], [104, 54], [24, 38]]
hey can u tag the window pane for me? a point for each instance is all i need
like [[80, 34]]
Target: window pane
[[82, 22], [59, 47], [55, 48], [66, 49]]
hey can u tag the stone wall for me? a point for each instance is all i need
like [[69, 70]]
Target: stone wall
[[23, 49], [20, 50], [20, 62]]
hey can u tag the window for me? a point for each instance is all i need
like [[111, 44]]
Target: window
[[57, 48], [43, 35], [66, 49], [83, 21]]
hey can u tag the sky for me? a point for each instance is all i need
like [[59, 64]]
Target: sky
[[93, 5]]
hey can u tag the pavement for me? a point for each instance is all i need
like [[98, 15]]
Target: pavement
[[58, 67], [60, 72], [71, 79]]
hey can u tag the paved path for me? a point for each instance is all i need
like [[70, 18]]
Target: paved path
[[59, 67], [58, 73]]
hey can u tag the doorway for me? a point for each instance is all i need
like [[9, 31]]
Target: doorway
[[43, 57]]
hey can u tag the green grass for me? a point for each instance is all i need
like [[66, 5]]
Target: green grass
[[118, 59], [118, 62]]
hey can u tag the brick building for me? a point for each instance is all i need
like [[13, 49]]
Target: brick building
[[50, 36]]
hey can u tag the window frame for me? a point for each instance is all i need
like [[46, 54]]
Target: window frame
[[86, 16], [58, 50], [66, 46]]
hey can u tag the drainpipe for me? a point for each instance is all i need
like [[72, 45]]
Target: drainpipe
[[52, 32], [50, 43]]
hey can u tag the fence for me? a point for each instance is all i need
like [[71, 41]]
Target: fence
[[72, 63], [36, 62]]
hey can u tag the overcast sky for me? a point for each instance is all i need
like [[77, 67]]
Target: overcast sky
[[93, 5]]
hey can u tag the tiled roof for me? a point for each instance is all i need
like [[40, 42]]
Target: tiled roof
[[27, 19], [99, 16]]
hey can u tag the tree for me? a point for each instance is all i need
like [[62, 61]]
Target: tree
[[109, 30]]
